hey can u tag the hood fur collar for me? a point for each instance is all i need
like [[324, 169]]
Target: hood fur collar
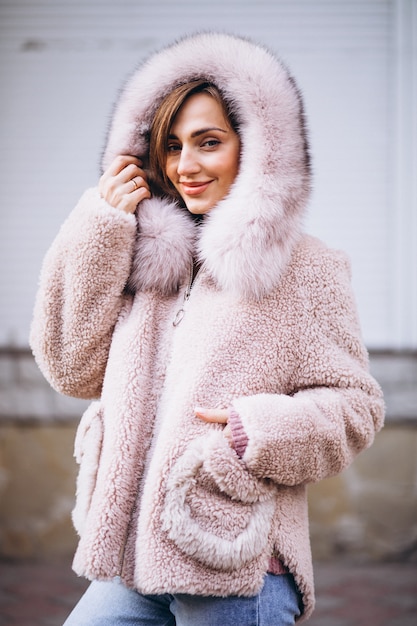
[[245, 242]]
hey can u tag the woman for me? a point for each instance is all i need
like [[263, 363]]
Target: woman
[[223, 345]]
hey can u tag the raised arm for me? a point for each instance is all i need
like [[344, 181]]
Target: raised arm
[[81, 290]]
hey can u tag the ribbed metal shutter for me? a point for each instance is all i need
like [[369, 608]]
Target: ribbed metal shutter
[[355, 60]]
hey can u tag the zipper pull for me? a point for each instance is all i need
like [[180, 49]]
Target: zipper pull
[[181, 312], [178, 317]]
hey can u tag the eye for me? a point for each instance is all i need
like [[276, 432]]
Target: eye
[[173, 148], [210, 143]]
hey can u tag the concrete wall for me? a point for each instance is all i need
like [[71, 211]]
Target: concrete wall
[[368, 512]]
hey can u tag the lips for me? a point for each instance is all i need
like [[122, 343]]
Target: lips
[[195, 189]]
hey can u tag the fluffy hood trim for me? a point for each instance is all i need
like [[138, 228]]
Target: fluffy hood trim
[[246, 241]]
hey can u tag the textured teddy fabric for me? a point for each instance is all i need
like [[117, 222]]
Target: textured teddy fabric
[[270, 329]]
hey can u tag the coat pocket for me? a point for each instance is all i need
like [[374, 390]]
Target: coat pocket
[[87, 452], [215, 511]]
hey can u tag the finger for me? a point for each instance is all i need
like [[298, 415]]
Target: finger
[[130, 171], [115, 189], [212, 416], [130, 201], [228, 434], [120, 163], [135, 183], [120, 171]]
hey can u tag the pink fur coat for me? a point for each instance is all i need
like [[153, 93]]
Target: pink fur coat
[[270, 329]]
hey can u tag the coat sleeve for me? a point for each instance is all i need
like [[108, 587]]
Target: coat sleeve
[[334, 406], [80, 295]]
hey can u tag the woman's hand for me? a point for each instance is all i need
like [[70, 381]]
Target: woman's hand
[[123, 185], [216, 416]]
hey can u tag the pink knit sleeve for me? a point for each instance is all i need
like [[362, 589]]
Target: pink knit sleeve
[[240, 438]]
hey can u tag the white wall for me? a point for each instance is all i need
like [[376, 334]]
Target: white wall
[[61, 64]]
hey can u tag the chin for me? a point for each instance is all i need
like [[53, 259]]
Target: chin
[[197, 209]]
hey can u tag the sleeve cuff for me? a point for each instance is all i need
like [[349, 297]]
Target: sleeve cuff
[[240, 438]]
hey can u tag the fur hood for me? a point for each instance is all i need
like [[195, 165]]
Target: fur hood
[[246, 241]]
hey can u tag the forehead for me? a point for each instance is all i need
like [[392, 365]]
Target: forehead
[[199, 111]]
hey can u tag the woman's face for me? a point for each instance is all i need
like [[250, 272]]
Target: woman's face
[[203, 153]]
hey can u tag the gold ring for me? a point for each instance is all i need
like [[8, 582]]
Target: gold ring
[[135, 185]]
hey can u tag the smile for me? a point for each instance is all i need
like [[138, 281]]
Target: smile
[[194, 189]]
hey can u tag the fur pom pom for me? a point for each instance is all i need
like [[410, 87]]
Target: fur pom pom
[[164, 247]]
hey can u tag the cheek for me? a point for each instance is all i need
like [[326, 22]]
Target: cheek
[[170, 171], [230, 167]]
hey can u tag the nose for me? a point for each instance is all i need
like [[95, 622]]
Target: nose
[[188, 162]]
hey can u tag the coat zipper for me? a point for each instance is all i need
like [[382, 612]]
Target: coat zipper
[[179, 316], [177, 320]]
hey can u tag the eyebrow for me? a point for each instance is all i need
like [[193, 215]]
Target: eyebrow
[[201, 131]]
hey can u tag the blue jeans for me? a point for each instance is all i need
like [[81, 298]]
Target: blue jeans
[[112, 604]]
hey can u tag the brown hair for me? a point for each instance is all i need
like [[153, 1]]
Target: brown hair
[[163, 120]]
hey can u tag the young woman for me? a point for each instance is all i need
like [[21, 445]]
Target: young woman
[[222, 344]]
